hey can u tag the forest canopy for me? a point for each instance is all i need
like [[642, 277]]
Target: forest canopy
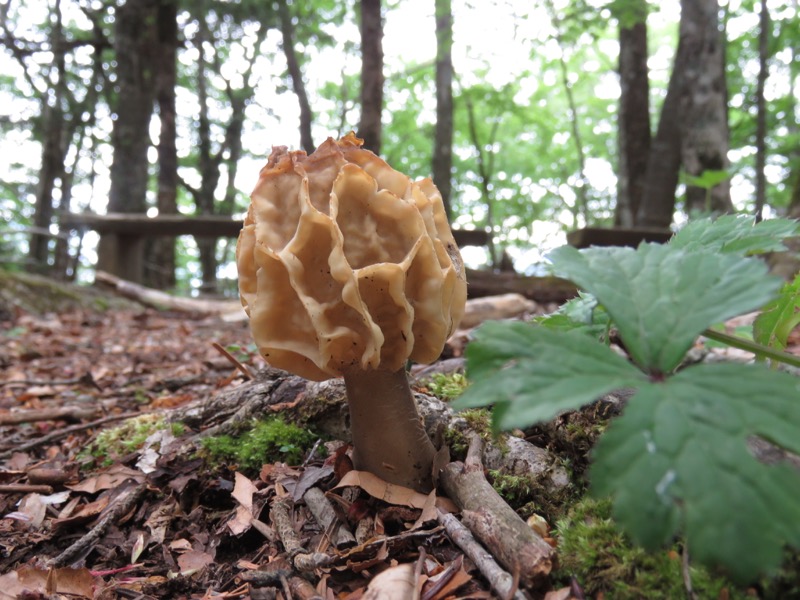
[[532, 118]]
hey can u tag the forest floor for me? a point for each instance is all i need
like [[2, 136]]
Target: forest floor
[[99, 499]]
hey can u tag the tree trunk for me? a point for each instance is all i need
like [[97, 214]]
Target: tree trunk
[[761, 111], [443, 137], [703, 104], [633, 132], [208, 164], [369, 129], [160, 269], [293, 64], [664, 160], [130, 137], [53, 153]]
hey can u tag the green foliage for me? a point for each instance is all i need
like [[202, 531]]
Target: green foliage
[[447, 387], [267, 441], [735, 234], [661, 298], [111, 444], [678, 459], [773, 326], [604, 561]]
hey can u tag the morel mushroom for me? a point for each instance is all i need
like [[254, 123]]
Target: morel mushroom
[[348, 268]]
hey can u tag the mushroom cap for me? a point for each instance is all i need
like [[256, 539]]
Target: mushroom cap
[[346, 264]]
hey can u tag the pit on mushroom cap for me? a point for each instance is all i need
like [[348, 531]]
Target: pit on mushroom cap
[[348, 268]]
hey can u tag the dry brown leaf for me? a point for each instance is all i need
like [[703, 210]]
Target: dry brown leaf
[[395, 583], [391, 493], [193, 561], [75, 583], [243, 491], [111, 478]]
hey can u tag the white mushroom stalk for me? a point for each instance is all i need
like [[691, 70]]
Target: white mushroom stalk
[[348, 268]]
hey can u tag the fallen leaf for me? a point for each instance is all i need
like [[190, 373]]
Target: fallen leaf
[[395, 583], [391, 493], [111, 478], [193, 561]]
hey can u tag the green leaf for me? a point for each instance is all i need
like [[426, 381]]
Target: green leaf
[[582, 313], [661, 298], [773, 326], [735, 234], [531, 373], [678, 459], [707, 179]]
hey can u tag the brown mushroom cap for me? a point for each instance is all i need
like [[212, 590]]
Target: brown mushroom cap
[[345, 263]]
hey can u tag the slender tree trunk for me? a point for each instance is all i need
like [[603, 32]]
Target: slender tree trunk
[[633, 129], [134, 44], [209, 166], [761, 111], [160, 267], [369, 129], [703, 106], [485, 165], [443, 137], [53, 153], [293, 64]]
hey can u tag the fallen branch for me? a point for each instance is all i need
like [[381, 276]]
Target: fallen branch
[[123, 503], [501, 581], [512, 542], [74, 413]]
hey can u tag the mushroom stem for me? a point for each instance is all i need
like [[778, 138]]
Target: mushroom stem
[[388, 437]]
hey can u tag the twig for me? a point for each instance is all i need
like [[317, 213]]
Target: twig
[[444, 578], [325, 515], [55, 435], [48, 414], [233, 360], [687, 574], [514, 545], [501, 581], [121, 506], [86, 378], [301, 558], [25, 488]]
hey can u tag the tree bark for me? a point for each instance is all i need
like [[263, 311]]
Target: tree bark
[[703, 105], [134, 44], [443, 136], [634, 117], [53, 152], [761, 111], [664, 160], [369, 129], [208, 164], [293, 64], [160, 269]]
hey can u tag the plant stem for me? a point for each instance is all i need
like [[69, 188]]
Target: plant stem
[[754, 347], [388, 437]]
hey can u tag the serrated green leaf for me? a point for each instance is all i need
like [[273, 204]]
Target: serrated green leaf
[[735, 234], [531, 373], [661, 298], [678, 458], [773, 326], [581, 313]]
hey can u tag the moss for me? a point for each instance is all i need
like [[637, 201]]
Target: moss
[[111, 444], [38, 294], [270, 440], [603, 561], [446, 387], [478, 420], [517, 490]]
